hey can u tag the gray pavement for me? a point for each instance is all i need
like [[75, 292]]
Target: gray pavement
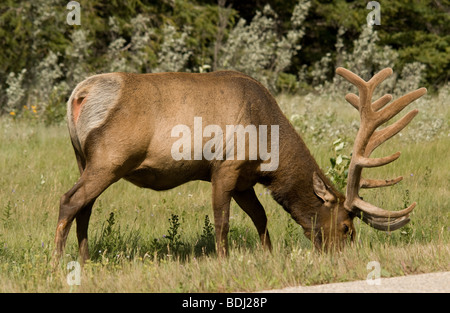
[[421, 283]]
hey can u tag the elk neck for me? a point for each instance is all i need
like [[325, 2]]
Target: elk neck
[[291, 184]]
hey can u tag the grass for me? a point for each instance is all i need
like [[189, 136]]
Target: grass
[[148, 241]]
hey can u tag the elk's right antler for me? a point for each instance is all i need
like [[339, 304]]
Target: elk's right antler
[[368, 139]]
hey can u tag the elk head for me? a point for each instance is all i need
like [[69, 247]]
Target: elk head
[[338, 227], [335, 221]]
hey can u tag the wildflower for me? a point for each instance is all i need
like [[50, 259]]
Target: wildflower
[[12, 113]]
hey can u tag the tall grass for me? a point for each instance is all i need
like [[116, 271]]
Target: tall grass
[[143, 240]]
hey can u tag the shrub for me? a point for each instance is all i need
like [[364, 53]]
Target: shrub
[[340, 162], [255, 49]]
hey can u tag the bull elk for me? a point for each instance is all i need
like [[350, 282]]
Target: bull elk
[[121, 124]]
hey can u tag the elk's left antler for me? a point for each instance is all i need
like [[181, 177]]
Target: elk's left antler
[[373, 115]]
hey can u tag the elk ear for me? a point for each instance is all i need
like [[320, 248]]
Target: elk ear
[[321, 190]]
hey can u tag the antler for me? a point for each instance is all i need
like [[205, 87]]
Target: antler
[[368, 139]]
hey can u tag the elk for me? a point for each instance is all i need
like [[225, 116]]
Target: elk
[[120, 127]]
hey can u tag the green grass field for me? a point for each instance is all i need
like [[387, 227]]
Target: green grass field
[[148, 241]]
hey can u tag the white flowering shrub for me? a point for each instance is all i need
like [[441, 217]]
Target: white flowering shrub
[[15, 92], [366, 59], [140, 44], [77, 55], [250, 48], [433, 121], [256, 50], [174, 53], [129, 56], [49, 73], [410, 78], [320, 71], [116, 53], [48, 98]]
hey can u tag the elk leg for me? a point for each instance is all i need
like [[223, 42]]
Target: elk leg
[[221, 207], [82, 219], [248, 201], [79, 200], [222, 187]]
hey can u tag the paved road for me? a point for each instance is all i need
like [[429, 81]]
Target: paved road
[[432, 282]]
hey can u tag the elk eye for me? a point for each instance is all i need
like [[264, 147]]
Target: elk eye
[[346, 229]]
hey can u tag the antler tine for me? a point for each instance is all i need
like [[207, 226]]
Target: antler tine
[[381, 219], [368, 139], [379, 77], [381, 102], [376, 183], [353, 100], [355, 80], [378, 212], [383, 223], [386, 133], [395, 107], [366, 87], [351, 77]]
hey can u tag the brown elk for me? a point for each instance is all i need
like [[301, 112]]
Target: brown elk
[[120, 126]]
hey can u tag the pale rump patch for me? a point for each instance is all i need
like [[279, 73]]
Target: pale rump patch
[[76, 107], [90, 103]]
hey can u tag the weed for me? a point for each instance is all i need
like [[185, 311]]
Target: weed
[[208, 230], [107, 231], [174, 235], [340, 162], [292, 236], [427, 176], [206, 243], [406, 199], [113, 243], [7, 213]]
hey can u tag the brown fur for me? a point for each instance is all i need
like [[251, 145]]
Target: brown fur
[[134, 140]]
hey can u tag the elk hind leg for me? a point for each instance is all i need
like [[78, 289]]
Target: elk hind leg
[[82, 218], [77, 203]]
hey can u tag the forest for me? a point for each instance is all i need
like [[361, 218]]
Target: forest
[[291, 46]]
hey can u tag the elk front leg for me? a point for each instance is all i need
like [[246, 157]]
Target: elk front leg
[[221, 207], [248, 201], [222, 188]]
